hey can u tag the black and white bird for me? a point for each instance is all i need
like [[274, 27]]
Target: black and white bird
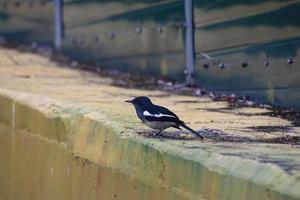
[[157, 117]]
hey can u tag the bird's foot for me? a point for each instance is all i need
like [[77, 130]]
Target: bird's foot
[[155, 134], [159, 133], [152, 134]]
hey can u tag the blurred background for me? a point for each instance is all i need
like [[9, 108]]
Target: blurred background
[[249, 48]]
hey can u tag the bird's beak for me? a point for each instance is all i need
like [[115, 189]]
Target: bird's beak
[[128, 101]]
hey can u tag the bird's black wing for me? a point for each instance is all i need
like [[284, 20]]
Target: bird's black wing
[[159, 113], [161, 119], [166, 111]]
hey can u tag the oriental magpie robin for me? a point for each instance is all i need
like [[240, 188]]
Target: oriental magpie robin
[[157, 117]]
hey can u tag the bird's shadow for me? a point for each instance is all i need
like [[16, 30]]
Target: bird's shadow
[[211, 134], [174, 135], [216, 136]]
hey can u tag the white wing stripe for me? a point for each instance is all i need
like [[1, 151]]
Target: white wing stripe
[[146, 113]]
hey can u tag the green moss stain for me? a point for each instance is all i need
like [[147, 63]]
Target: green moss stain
[[6, 110]]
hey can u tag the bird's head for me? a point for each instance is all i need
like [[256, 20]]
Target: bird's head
[[140, 101]]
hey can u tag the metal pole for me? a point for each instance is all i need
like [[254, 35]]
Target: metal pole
[[58, 24], [189, 42]]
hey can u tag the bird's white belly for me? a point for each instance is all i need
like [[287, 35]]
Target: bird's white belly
[[159, 125]]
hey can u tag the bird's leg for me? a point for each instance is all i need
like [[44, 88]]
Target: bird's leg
[[159, 132]]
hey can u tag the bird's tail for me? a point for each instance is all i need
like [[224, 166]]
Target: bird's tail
[[194, 132]]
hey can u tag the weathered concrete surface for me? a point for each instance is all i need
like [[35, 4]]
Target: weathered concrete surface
[[67, 134]]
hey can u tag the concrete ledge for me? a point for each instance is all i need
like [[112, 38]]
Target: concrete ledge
[[67, 134], [92, 154]]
